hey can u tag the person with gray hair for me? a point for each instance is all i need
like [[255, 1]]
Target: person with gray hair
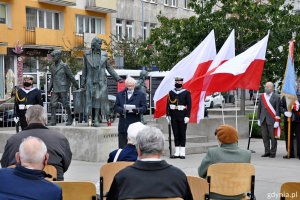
[[128, 153], [268, 113], [130, 103], [27, 179], [57, 144], [150, 176]]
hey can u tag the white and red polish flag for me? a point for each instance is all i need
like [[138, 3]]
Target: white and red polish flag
[[199, 59], [226, 53], [243, 71]]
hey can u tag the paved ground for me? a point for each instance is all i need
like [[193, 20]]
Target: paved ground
[[270, 172]]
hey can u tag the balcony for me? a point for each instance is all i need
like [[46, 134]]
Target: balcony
[[60, 2], [103, 6], [43, 38]]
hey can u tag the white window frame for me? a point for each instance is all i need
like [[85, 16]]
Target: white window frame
[[174, 3], [186, 4], [166, 2], [119, 27], [128, 28], [52, 12], [98, 30]]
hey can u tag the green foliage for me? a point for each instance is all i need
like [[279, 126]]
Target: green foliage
[[176, 38], [126, 48]]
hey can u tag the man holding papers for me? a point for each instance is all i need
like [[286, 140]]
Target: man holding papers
[[130, 104]]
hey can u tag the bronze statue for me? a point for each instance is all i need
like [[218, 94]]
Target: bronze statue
[[141, 85], [94, 81], [61, 78]]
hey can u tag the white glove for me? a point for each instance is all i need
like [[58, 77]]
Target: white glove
[[258, 122], [276, 124], [16, 119], [288, 114], [296, 106], [186, 120], [168, 118]]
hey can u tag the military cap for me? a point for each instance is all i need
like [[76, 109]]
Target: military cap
[[27, 76], [178, 79]]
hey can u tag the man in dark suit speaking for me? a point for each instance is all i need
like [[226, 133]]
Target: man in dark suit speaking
[[130, 103]]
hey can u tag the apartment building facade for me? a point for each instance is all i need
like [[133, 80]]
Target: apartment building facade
[[37, 27], [135, 18]]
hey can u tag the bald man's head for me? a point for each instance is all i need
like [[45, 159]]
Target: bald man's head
[[32, 153]]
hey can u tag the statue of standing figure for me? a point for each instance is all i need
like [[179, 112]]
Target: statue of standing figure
[[61, 78], [94, 81], [141, 85]]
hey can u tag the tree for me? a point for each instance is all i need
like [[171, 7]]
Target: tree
[[251, 19], [126, 48]]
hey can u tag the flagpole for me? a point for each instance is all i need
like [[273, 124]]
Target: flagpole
[[289, 136], [235, 100], [223, 113], [252, 121]]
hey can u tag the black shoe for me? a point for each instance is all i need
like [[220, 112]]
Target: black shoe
[[272, 156], [182, 157], [174, 157], [266, 155], [286, 157]]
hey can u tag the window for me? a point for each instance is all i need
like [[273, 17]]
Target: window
[[119, 29], [42, 19], [86, 24], [186, 4], [172, 3], [3, 14], [153, 1], [129, 30]]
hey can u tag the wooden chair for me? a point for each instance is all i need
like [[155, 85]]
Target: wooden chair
[[77, 190], [231, 179], [289, 190], [49, 169], [198, 186], [174, 198], [107, 174]]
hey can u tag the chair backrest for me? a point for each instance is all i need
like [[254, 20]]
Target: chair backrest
[[289, 190], [107, 174], [49, 169], [77, 190], [174, 198], [198, 186], [231, 179]]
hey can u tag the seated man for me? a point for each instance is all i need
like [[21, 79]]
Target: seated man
[[149, 177], [227, 152], [27, 180], [57, 144], [128, 153]]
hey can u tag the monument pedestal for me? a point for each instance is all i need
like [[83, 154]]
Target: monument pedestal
[[91, 144]]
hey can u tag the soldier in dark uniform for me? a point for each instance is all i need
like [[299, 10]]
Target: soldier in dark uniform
[[24, 98], [61, 78], [178, 113]]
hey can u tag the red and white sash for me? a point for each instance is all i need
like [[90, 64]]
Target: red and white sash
[[272, 112]]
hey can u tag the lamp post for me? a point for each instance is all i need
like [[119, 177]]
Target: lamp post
[[142, 4]]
